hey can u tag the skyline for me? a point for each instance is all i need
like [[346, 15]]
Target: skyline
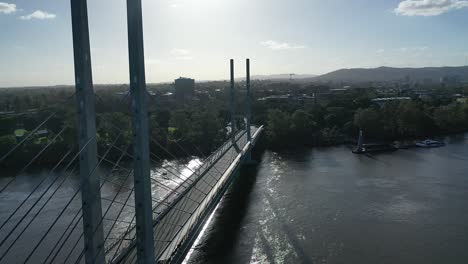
[[197, 40]]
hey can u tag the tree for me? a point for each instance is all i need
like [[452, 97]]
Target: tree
[[303, 128], [110, 125], [369, 120], [207, 131], [6, 144], [337, 116], [181, 124], [278, 128], [451, 117], [8, 125], [412, 121], [330, 136], [389, 119]]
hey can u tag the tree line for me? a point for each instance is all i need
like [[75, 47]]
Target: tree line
[[197, 127], [340, 120]]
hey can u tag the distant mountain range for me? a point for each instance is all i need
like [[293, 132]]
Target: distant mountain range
[[282, 76], [383, 74]]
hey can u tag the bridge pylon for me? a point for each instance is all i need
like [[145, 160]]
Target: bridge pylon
[[232, 108], [248, 109], [142, 181], [248, 102], [90, 180]]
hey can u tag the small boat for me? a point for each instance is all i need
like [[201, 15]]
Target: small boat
[[403, 145], [429, 143], [374, 148], [362, 148]]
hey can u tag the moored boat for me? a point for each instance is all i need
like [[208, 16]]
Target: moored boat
[[429, 143], [362, 148], [373, 148]]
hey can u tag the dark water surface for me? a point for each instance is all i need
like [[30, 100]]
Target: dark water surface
[[48, 225], [330, 206]]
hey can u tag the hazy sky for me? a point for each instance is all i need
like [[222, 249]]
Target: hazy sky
[[195, 38]]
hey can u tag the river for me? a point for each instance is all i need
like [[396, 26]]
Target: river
[[326, 205], [48, 225]]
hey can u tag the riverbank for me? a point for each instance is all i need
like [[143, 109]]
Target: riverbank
[[327, 206]]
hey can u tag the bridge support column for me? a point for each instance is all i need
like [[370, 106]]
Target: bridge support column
[[90, 184], [248, 102], [143, 200], [232, 103], [248, 110]]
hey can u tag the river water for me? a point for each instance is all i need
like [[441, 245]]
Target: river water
[[47, 226], [326, 205], [322, 205]]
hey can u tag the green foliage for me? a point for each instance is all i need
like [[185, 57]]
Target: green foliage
[[20, 132], [452, 117], [341, 121], [412, 120], [181, 122], [109, 126], [8, 125], [330, 136], [337, 116], [6, 143], [207, 131], [368, 120], [303, 128], [200, 125], [389, 119], [278, 128], [284, 130]]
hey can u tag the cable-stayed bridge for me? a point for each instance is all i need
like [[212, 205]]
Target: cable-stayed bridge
[[179, 218], [93, 205]]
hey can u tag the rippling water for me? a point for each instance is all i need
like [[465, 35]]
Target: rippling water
[[330, 206], [53, 198]]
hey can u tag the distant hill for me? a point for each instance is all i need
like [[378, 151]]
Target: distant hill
[[395, 74], [281, 77]]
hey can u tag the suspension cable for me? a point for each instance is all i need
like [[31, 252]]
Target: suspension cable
[[30, 195], [33, 132], [33, 160], [70, 201], [102, 185]]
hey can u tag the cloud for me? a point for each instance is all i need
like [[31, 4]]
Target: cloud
[[181, 54], [38, 14], [414, 49], [428, 7], [175, 3], [151, 61], [6, 8], [380, 51], [274, 45]]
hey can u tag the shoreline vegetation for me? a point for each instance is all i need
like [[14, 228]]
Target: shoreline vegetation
[[294, 114]]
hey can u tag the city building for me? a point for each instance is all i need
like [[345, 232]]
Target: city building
[[184, 88], [382, 101]]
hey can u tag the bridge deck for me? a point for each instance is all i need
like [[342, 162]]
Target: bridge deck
[[184, 208]]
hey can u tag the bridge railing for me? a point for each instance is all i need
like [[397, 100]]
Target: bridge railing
[[92, 197], [172, 198], [185, 237]]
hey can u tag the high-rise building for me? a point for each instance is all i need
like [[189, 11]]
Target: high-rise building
[[184, 88]]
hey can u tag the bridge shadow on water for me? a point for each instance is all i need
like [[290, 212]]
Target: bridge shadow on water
[[232, 233], [222, 234]]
